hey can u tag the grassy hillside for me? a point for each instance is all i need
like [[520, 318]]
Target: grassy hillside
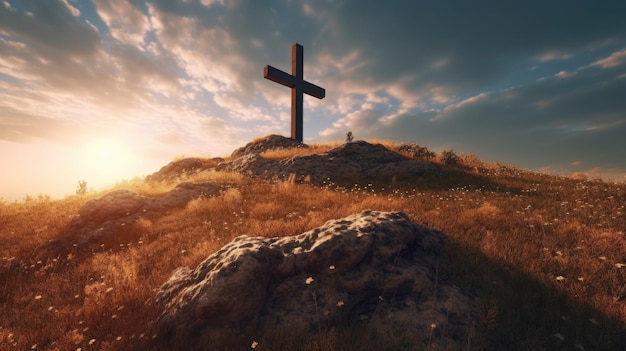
[[544, 256]]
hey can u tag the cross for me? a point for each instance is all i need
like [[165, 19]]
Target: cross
[[298, 87]]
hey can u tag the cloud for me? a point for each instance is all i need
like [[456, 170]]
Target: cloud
[[554, 120], [50, 27], [531, 81], [20, 127], [125, 21]]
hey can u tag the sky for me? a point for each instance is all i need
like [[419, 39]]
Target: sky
[[107, 90]]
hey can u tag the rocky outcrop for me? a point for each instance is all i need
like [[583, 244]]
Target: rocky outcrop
[[371, 267], [267, 143], [103, 217], [352, 162], [182, 167]]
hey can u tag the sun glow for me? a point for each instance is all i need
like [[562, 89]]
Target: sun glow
[[105, 161]]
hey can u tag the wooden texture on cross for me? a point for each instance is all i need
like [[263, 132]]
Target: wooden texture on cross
[[298, 86]]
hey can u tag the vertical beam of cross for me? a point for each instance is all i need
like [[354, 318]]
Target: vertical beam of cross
[[298, 86]]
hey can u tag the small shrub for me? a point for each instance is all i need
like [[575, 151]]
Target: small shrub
[[416, 151], [449, 158], [349, 137], [81, 189]]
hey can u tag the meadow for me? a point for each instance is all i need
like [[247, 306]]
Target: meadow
[[544, 257]]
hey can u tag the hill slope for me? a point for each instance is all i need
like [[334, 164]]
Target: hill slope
[[543, 256]]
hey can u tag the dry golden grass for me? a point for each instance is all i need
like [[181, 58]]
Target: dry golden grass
[[314, 149], [545, 257]]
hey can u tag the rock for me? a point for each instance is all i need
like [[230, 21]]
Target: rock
[[182, 167], [116, 204], [352, 162], [267, 143], [115, 212], [371, 267]]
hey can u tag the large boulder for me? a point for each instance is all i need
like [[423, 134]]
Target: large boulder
[[372, 267], [352, 162], [267, 143]]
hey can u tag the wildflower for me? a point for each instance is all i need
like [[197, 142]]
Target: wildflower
[[559, 336], [331, 267], [38, 297], [580, 279], [92, 341], [309, 280], [340, 303], [108, 290], [118, 338], [254, 345], [33, 347], [560, 278], [620, 265], [433, 326], [603, 258]]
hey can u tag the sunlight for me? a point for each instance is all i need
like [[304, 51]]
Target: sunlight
[[103, 150], [103, 161]]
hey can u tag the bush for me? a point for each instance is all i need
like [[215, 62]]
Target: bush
[[449, 157], [417, 151]]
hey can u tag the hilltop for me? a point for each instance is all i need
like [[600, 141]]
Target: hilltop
[[508, 259]]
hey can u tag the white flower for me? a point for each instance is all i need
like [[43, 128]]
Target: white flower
[[92, 341], [331, 268], [309, 280], [254, 345], [340, 303], [560, 278], [620, 265]]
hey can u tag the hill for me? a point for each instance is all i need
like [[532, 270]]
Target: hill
[[539, 259]]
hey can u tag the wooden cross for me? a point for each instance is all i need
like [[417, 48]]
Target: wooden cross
[[298, 87]]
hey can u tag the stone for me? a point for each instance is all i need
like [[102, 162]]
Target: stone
[[101, 218], [269, 142], [371, 267], [354, 162], [183, 167]]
